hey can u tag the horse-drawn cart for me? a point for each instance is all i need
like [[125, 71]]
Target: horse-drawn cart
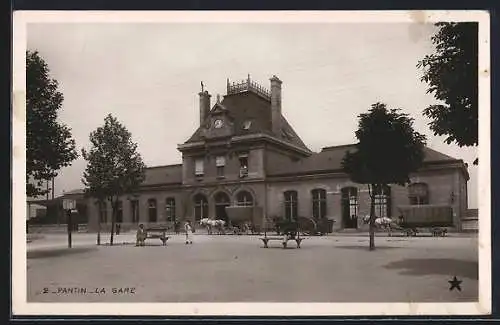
[[434, 218], [244, 219]]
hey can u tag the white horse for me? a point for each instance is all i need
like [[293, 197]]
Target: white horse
[[211, 224], [205, 222], [219, 224], [383, 223]]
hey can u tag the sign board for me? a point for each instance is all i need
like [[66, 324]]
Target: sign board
[[69, 204]]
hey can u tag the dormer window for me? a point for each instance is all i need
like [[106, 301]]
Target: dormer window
[[198, 167], [247, 125]]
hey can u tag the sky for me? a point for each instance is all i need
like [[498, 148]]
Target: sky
[[148, 76]]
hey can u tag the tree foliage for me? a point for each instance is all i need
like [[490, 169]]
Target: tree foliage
[[49, 144], [452, 75], [387, 152], [114, 166]]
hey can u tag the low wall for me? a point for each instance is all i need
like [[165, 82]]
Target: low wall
[[49, 229], [470, 225]]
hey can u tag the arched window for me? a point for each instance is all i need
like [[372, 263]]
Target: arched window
[[319, 204], [221, 202], [349, 207], [382, 201], [200, 207], [291, 206], [119, 212], [170, 209], [418, 193], [152, 213], [243, 198], [134, 208]]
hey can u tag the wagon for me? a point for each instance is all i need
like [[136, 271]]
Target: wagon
[[241, 217], [421, 218]]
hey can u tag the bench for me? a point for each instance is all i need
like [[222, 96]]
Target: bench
[[283, 239], [157, 233], [437, 231]]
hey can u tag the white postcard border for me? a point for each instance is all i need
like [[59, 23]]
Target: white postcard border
[[19, 273]]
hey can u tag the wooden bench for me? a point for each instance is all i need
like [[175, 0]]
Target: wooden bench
[[157, 233], [284, 241], [437, 231]]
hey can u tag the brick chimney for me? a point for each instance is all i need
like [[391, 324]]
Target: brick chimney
[[275, 104], [204, 105]]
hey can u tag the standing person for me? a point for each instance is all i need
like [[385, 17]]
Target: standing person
[[189, 232], [140, 236], [177, 227]]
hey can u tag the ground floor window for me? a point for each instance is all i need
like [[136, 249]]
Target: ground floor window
[[152, 212], [134, 207], [382, 201], [319, 204], [418, 193], [291, 206], [243, 198], [170, 209], [349, 207], [221, 202], [103, 212], [200, 207], [119, 212]]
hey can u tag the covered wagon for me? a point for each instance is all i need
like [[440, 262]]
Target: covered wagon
[[245, 217], [434, 217]]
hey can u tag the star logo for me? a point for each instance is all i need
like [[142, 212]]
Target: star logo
[[455, 283]]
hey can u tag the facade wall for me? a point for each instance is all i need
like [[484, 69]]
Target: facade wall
[[276, 157], [270, 197], [440, 183], [231, 168], [255, 189], [304, 188], [446, 187]]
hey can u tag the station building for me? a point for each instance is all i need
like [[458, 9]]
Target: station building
[[245, 153]]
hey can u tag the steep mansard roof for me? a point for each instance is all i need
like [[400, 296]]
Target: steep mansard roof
[[248, 106]]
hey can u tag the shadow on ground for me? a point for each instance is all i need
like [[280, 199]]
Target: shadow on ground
[[58, 252], [125, 243], [365, 247], [428, 266]]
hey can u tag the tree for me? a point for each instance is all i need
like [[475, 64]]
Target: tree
[[114, 167], [387, 152], [49, 144], [452, 76]]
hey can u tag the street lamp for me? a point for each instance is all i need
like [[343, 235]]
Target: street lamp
[[68, 206]]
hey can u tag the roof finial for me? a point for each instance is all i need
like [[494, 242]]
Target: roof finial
[[202, 86]]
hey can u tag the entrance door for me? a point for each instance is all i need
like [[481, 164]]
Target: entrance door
[[221, 202], [349, 207]]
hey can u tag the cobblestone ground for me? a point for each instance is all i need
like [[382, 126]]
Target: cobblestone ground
[[238, 268]]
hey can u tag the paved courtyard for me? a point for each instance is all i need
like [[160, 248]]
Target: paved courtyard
[[237, 269]]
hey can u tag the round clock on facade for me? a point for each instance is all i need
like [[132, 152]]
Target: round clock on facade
[[218, 124]]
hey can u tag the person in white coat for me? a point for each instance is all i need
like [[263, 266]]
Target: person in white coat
[[189, 232]]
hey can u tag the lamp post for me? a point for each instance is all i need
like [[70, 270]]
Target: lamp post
[[68, 206]]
